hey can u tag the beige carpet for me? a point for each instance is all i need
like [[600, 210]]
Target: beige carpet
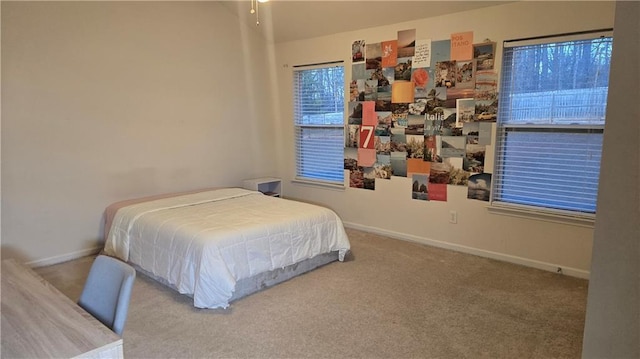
[[391, 299]]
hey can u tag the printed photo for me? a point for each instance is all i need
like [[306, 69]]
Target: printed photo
[[357, 51], [486, 86], [445, 74], [419, 107], [370, 90], [369, 178], [466, 108], [432, 148], [420, 78], [399, 122], [453, 146], [350, 158], [356, 177], [383, 145], [384, 124], [440, 51], [383, 105], [419, 189], [415, 125], [440, 121], [484, 55], [474, 160], [351, 164], [352, 139], [465, 74], [379, 75], [458, 176], [415, 146], [355, 113], [373, 56], [382, 159], [455, 94], [486, 111], [423, 83], [402, 71], [440, 172], [480, 187], [406, 43], [382, 171], [399, 164], [472, 131], [398, 142], [358, 71], [485, 133]]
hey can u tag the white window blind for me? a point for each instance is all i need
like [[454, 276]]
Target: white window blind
[[319, 122], [551, 119]]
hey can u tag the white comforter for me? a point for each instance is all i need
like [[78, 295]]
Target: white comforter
[[203, 243]]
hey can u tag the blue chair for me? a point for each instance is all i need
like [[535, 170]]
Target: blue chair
[[107, 291]]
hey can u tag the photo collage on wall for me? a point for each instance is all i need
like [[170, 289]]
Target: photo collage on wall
[[422, 109]]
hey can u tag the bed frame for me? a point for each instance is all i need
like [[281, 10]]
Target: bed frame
[[248, 286]]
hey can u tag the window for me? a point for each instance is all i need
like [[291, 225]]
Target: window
[[551, 119], [319, 122]]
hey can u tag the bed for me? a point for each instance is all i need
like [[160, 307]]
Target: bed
[[221, 244]]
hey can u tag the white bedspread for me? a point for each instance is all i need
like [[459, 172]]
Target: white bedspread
[[203, 243]]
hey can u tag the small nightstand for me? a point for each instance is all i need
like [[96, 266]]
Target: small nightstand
[[271, 186]]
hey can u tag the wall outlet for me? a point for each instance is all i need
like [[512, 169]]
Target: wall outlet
[[453, 217]]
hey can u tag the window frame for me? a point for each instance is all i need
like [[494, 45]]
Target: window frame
[[299, 127], [498, 205]]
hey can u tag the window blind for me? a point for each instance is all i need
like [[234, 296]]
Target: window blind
[[551, 117], [319, 122]]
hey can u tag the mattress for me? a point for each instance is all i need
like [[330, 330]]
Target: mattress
[[203, 243]]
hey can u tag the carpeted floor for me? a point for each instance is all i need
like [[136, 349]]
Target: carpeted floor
[[390, 299]]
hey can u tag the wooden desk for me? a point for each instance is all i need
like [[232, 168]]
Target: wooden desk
[[38, 321]]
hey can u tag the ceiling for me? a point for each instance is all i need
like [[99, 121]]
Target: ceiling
[[287, 20]]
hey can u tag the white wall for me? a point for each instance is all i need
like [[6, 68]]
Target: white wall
[[612, 326], [389, 209], [103, 101]]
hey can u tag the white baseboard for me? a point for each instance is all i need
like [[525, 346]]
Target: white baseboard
[[573, 272], [63, 258]]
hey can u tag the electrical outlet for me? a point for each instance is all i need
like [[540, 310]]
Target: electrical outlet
[[453, 217]]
